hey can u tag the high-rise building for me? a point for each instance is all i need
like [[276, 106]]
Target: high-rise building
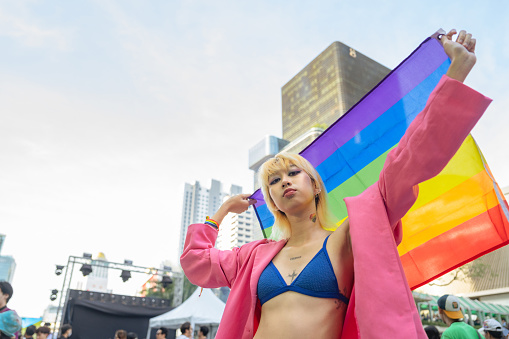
[[236, 230], [97, 280], [200, 202], [7, 268], [2, 239], [326, 88], [7, 263]]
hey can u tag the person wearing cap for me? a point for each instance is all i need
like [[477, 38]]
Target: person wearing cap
[[449, 308], [494, 330]]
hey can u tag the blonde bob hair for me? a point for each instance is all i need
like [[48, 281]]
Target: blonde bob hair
[[282, 161]]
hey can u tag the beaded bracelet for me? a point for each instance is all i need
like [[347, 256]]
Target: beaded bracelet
[[212, 223]]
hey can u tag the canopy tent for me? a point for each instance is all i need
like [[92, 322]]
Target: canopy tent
[[204, 310]]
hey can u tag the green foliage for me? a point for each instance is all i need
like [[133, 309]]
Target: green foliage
[[160, 292], [188, 289]]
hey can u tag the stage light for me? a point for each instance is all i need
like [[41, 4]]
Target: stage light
[[86, 269], [59, 269], [166, 281], [125, 275], [53, 296]]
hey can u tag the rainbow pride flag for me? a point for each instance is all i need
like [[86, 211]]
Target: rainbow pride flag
[[459, 215]]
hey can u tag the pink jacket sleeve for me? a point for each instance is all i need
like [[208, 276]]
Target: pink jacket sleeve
[[429, 143], [206, 266]]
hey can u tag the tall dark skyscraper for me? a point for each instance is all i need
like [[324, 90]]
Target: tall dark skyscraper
[[326, 88]]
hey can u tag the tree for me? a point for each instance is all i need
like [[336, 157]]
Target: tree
[[472, 270], [157, 290], [188, 289]]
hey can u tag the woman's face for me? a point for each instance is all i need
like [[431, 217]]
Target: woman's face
[[41, 335], [291, 189]]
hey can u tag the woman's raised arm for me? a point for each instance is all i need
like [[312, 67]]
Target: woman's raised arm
[[205, 265], [436, 133]]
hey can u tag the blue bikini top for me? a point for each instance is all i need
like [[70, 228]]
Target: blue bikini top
[[317, 279]]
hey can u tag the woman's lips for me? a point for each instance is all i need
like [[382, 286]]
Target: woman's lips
[[289, 192]]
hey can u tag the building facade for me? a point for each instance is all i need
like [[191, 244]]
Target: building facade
[[200, 202], [97, 281], [236, 230], [7, 263], [7, 268], [327, 88]]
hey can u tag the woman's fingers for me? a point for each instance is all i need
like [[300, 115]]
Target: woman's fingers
[[466, 41], [461, 36], [472, 45], [451, 33]]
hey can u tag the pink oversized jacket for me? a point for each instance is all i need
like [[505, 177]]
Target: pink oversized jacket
[[381, 294]]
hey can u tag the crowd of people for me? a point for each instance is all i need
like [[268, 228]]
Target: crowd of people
[[10, 325], [10, 322]]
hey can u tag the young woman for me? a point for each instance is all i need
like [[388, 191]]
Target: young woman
[[347, 283]]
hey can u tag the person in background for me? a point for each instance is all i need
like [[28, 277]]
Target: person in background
[[449, 308], [493, 329], [66, 331], [43, 332], [432, 332], [121, 334], [132, 335], [162, 333], [30, 331], [202, 333], [48, 325], [10, 322], [186, 329]]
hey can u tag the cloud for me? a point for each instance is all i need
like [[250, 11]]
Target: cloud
[[24, 29]]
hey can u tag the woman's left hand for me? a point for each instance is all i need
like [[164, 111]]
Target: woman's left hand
[[461, 52]]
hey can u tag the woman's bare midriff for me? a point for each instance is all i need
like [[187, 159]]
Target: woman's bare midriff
[[295, 315]]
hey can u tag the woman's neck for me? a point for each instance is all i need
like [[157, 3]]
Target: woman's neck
[[305, 227]]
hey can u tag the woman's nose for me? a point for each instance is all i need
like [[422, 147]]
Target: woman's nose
[[286, 181]]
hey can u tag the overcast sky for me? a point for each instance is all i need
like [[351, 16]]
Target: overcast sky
[[109, 107]]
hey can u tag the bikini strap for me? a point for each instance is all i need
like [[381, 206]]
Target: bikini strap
[[325, 242]]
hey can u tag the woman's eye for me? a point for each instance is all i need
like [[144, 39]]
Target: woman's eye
[[274, 181], [293, 173]]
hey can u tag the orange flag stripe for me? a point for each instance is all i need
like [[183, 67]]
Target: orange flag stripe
[[465, 201]]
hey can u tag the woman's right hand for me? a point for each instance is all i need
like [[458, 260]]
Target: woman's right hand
[[236, 204]]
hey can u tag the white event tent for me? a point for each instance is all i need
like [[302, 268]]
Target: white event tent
[[204, 310]]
